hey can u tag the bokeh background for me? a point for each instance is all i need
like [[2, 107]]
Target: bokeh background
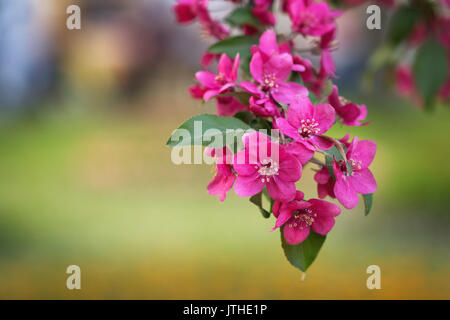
[[86, 178]]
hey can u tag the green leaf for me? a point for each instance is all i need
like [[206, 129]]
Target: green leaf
[[224, 127], [245, 116], [430, 70], [313, 98], [257, 200], [242, 96], [242, 16], [303, 255], [402, 23], [233, 45], [368, 200]]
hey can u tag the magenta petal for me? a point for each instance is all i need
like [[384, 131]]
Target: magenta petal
[[208, 79], [257, 67], [281, 190], [289, 92], [363, 181], [345, 193], [234, 70], [290, 168], [247, 186], [287, 129], [252, 88], [363, 150], [325, 208], [220, 185], [324, 114], [280, 66], [300, 151], [333, 98], [321, 142], [211, 94], [300, 109], [322, 176], [349, 113], [225, 65], [242, 164], [298, 68], [294, 235], [323, 225], [285, 213], [268, 43]]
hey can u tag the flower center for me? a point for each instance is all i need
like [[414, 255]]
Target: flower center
[[220, 78], [267, 169], [308, 128], [269, 82], [356, 164], [302, 219]]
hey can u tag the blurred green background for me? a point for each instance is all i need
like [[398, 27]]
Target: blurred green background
[[86, 178]]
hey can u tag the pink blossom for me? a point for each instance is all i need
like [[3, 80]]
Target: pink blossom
[[187, 11], [229, 106], [350, 113], [265, 163], [271, 77], [224, 178], [262, 12], [268, 46], [312, 18], [307, 72], [325, 183], [219, 83], [299, 217], [359, 179], [306, 123], [264, 107], [197, 91]]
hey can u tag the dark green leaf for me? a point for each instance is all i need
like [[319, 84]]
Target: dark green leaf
[[257, 200], [245, 116], [225, 127], [233, 45], [242, 96], [242, 16], [303, 255], [368, 200], [313, 98], [402, 23], [430, 70]]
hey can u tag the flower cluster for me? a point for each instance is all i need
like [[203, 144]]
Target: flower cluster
[[264, 79]]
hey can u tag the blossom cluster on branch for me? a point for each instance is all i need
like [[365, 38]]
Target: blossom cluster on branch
[[264, 81]]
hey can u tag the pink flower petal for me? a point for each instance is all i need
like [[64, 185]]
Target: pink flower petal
[[288, 129], [281, 190], [301, 151], [279, 66], [290, 168], [225, 65], [363, 181], [324, 114], [345, 193], [247, 186], [257, 67], [363, 151], [300, 109], [252, 88], [208, 79], [295, 235], [289, 92]]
